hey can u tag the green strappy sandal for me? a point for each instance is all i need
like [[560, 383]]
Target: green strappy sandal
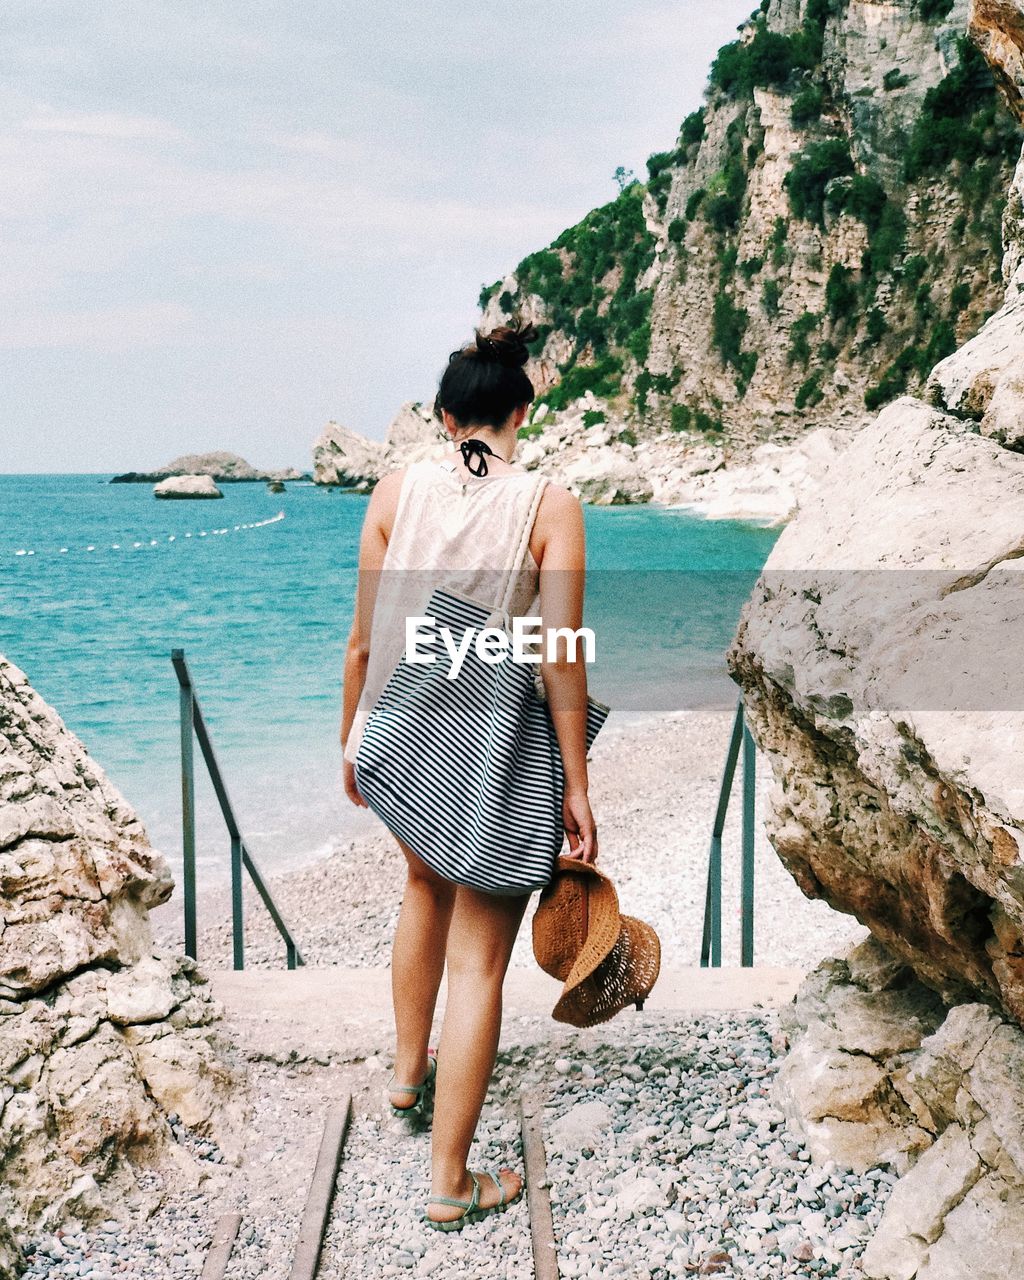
[[472, 1211], [415, 1111]]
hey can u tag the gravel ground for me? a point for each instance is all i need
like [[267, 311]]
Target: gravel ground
[[666, 1157], [654, 787]]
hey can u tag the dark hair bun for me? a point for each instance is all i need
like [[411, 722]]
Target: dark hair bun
[[507, 344]]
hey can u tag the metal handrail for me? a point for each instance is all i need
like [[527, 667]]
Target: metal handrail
[[711, 941], [194, 726]]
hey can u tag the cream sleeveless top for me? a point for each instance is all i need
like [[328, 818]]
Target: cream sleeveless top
[[452, 533]]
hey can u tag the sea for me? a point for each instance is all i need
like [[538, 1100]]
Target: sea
[[99, 582]]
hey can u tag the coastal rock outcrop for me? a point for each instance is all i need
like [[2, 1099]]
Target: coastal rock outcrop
[[346, 458], [101, 1038], [878, 660], [777, 273], [880, 1071], [603, 463], [224, 467], [187, 487]]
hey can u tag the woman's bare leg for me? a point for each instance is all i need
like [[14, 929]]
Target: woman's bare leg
[[480, 939], [417, 962]]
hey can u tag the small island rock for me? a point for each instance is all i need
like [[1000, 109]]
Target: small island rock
[[187, 487], [224, 467]]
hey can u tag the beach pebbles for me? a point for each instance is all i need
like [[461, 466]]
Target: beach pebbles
[[666, 1158]]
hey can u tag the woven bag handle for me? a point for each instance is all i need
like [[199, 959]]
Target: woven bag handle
[[523, 546]]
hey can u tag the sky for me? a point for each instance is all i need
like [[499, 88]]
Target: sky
[[224, 224]]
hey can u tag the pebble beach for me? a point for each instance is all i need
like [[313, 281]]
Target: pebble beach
[[667, 1155]]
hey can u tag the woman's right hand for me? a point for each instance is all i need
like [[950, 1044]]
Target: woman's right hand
[[580, 827], [348, 773]]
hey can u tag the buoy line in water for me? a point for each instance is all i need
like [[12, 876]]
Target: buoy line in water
[[144, 544]]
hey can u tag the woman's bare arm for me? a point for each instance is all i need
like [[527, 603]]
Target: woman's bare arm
[[562, 559], [373, 543]]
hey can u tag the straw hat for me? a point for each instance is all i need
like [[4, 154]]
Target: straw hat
[[605, 960]]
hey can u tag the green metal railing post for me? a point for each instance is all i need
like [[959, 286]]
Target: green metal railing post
[[188, 816], [237, 921], [747, 886], [740, 738], [711, 942], [194, 726]]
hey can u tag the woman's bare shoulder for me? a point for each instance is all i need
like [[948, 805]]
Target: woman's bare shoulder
[[557, 502], [386, 490]]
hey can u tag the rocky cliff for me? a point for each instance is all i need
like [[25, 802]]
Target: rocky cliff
[[878, 657], [101, 1038], [823, 231]]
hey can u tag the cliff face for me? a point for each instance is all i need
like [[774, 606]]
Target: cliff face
[[879, 660], [822, 233]]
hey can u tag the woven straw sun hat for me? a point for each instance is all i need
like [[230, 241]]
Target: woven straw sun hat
[[605, 960]]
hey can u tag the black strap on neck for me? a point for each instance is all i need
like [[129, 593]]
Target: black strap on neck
[[473, 448]]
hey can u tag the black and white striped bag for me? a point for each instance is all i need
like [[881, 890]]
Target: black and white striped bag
[[468, 771]]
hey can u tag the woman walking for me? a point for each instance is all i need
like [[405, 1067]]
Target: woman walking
[[458, 518]]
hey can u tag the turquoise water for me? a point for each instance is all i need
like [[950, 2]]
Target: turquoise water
[[263, 614]]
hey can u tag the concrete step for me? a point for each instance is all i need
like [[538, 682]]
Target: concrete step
[[346, 1013]]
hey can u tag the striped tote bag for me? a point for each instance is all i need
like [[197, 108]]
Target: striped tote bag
[[468, 771]]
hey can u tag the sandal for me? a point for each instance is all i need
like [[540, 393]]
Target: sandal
[[415, 1110], [471, 1208]]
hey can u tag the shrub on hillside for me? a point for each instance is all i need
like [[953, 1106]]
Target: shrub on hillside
[[811, 173], [692, 129], [728, 327], [935, 10], [799, 333], [960, 119], [603, 378], [693, 203], [487, 293], [807, 106], [840, 293]]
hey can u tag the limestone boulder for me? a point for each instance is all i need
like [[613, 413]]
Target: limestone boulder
[[101, 1037], [941, 1105], [413, 434], [878, 660], [187, 487], [343, 457]]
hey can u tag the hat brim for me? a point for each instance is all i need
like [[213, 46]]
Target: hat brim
[[625, 975]]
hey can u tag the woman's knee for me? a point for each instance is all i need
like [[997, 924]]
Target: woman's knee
[[483, 934]]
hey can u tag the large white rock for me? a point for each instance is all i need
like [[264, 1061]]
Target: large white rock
[[187, 487], [344, 457], [916, 1210], [100, 1037]]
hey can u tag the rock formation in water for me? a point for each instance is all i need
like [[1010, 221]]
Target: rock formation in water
[[187, 487], [823, 231], [225, 468], [347, 459], [101, 1038], [879, 657]]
